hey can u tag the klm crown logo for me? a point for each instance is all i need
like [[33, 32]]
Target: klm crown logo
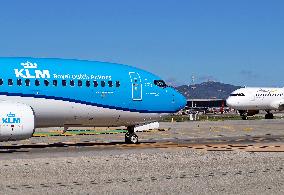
[[11, 119], [29, 65], [11, 115], [30, 71]]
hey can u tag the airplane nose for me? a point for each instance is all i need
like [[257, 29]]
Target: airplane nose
[[180, 101], [229, 102]]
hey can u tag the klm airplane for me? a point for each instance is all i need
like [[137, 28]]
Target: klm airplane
[[37, 93]]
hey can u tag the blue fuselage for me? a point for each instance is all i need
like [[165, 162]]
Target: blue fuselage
[[100, 84]]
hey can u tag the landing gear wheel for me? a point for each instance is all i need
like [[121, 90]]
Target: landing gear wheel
[[131, 138], [245, 117], [269, 116]]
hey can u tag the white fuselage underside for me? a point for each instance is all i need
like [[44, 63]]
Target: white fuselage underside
[[59, 113]]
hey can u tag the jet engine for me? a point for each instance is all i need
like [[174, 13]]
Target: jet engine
[[17, 121], [245, 113], [252, 112]]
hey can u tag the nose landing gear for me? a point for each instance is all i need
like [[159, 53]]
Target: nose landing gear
[[243, 114], [130, 136], [269, 115]]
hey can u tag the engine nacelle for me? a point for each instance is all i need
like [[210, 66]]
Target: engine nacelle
[[17, 121], [252, 112]]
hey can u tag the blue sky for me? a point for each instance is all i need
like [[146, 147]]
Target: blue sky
[[239, 42]]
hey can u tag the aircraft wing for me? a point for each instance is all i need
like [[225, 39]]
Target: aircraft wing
[[281, 106], [278, 105]]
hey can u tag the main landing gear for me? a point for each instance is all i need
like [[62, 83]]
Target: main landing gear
[[269, 115], [130, 136]]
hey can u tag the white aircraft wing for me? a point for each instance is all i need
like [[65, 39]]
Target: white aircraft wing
[[278, 105], [281, 106]]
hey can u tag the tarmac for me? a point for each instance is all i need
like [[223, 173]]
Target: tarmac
[[222, 157]]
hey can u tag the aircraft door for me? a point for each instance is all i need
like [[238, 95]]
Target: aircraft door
[[136, 86]]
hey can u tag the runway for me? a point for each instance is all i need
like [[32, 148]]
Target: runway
[[243, 157]]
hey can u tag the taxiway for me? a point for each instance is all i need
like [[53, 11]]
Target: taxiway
[[224, 157]]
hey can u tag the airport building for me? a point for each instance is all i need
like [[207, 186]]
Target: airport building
[[205, 103]]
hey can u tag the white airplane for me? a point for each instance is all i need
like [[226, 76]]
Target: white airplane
[[249, 101]]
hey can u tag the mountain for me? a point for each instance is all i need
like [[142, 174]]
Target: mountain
[[207, 90]]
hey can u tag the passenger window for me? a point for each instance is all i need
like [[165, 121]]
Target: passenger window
[[1, 81], [110, 83], [19, 82], [80, 83], [55, 83], [103, 83], [96, 83], [37, 83], [72, 83], [117, 84], [27, 81], [10, 82], [46, 82], [88, 83], [64, 83]]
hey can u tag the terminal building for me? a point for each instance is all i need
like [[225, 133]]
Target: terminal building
[[205, 103]]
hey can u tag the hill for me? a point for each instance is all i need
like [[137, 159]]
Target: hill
[[210, 89]]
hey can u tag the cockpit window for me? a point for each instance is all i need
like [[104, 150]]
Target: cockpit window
[[160, 83], [237, 94]]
